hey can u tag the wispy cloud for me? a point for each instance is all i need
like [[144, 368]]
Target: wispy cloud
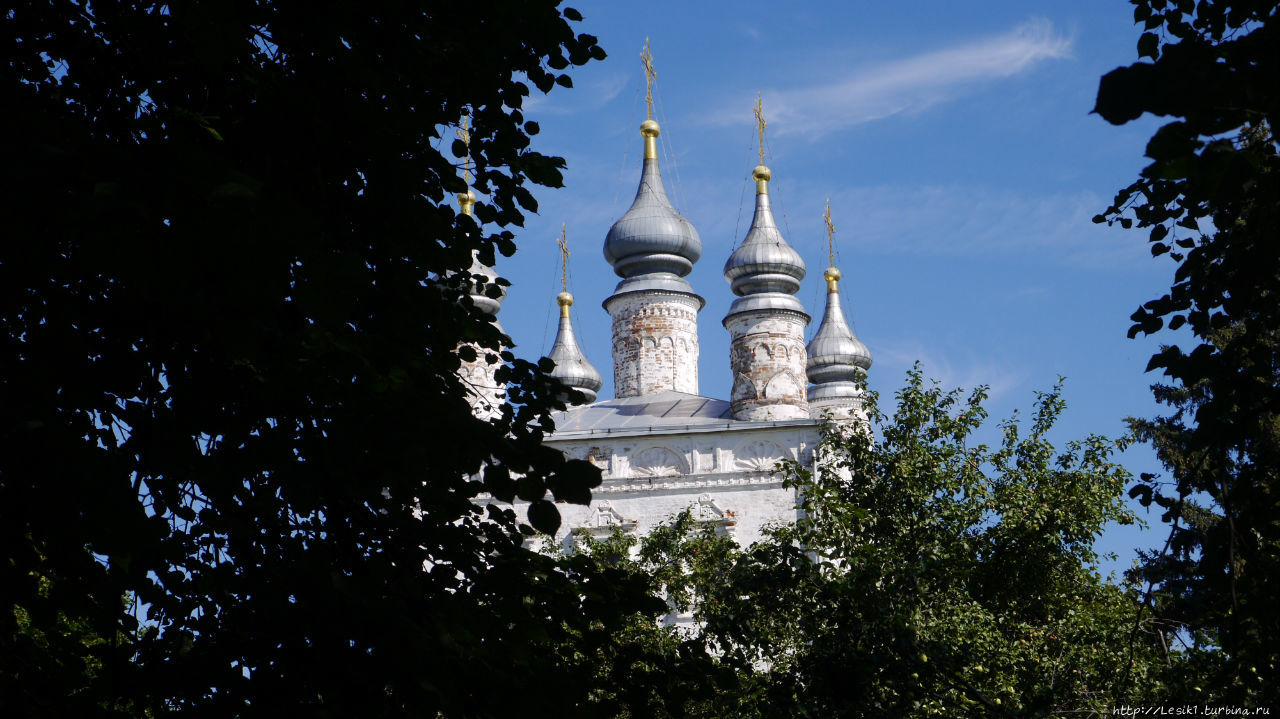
[[911, 84], [962, 370], [969, 220], [590, 94]]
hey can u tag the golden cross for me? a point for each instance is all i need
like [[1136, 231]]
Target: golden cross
[[760, 124], [831, 229], [563, 241], [650, 75], [464, 134]]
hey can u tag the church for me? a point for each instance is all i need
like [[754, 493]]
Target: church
[[661, 445]]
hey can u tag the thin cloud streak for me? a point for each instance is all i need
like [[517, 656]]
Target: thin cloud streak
[[966, 371], [910, 85], [588, 95], [975, 221]]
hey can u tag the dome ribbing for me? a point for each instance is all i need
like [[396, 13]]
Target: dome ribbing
[[572, 367], [652, 237]]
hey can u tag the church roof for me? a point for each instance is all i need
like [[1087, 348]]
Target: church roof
[[764, 262], [765, 272], [666, 411], [652, 237], [835, 352], [572, 366]]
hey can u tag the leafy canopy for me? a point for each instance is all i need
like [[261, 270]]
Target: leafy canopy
[[228, 377], [928, 574], [1210, 200]]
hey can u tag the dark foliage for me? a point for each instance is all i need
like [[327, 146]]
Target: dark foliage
[[927, 574], [228, 388], [1210, 199]]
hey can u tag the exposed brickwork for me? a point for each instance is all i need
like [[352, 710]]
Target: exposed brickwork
[[655, 342], [767, 356]]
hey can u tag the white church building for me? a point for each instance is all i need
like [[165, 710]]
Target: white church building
[[661, 445]]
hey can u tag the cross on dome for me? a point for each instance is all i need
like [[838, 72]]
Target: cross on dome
[[571, 366], [464, 134], [837, 358], [760, 124], [650, 74], [562, 241], [831, 231]]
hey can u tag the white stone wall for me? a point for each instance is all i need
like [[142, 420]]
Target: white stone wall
[[838, 408], [727, 477], [483, 391], [655, 342], [767, 355], [741, 512]]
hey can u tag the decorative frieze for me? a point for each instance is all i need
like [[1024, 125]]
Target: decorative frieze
[[752, 451]]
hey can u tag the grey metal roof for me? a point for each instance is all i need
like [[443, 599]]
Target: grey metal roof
[[836, 355], [767, 302], [660, 412], [655, 282], [764, 262], [476, 288], [667, 408], [652, 236], [572, 367]]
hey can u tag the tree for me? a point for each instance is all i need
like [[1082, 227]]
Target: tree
[[233, 444], [928, 575], [649, 667], [1210, 200]]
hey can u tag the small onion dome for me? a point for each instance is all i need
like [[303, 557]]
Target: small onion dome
[[835, 353], [764, 262], [652, 236], [476, 289], [572, 367], [483, 302]]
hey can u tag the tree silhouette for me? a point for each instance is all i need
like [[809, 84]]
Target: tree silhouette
[[238, 469], [1210, 200]]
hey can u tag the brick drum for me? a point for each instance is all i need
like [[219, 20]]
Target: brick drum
[[767, 355], [655, 342]]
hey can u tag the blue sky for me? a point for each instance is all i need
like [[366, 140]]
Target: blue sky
[[955, 143]]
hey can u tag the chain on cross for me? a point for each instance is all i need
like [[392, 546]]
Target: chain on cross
[[831, 231], [563, 241], [760, 124], [650, 75], [464, 134]]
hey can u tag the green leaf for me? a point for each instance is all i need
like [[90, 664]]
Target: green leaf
[[530, 488], [574, 481], [1142, 493], [1149, 45], [544, 517]]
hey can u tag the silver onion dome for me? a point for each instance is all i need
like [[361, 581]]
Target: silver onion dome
[[476, 288], [764, 263], [572, 367], [652, 237], [835, 353]]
